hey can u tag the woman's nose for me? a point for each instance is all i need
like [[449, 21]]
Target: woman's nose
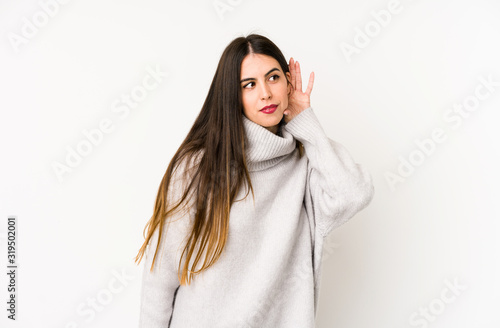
[[266, 92]]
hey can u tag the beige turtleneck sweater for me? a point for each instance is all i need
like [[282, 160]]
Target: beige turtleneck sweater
[[268, 275]]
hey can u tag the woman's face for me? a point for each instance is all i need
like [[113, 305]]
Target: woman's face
[[263, 83]]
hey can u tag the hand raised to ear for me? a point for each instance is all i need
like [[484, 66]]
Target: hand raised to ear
[[297, 100]]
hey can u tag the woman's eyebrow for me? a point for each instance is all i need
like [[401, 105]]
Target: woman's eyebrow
[[252, 78]]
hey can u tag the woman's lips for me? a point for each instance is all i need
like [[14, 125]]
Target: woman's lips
[[270, 109]]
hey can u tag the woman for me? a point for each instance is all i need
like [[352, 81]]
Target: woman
[[262, 254]]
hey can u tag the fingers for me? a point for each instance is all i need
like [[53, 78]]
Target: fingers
[[310, 84], [294, 68], [298, 78]]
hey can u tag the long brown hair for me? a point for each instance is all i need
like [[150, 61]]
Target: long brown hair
[[218, 136]]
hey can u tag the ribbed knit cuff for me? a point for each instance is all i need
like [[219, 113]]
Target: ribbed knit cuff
[[305, 126]]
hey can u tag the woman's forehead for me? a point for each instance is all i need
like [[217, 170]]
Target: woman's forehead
[[257, 64]]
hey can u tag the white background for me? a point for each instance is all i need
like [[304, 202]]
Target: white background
[[436, 226]]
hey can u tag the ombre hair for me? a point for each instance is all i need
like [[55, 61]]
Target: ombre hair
[[215, 149]]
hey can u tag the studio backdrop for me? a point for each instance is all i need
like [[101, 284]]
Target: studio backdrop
[[96, 97]]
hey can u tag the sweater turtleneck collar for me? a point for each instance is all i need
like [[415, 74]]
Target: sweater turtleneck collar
[[264, 148]]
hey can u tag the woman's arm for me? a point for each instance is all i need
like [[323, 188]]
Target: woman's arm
[[159, 287], [338, 187]]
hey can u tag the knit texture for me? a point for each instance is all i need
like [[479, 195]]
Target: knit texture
[[268, 275]]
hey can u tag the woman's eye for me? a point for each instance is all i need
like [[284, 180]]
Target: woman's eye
[[275, 77]]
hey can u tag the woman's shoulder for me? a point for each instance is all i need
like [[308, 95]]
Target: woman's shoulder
[[188, 164]]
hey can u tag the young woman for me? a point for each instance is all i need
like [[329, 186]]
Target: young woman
[[260, 255]]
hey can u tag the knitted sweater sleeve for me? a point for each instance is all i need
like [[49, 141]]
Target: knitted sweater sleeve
[[159, 286], [337, 187]]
